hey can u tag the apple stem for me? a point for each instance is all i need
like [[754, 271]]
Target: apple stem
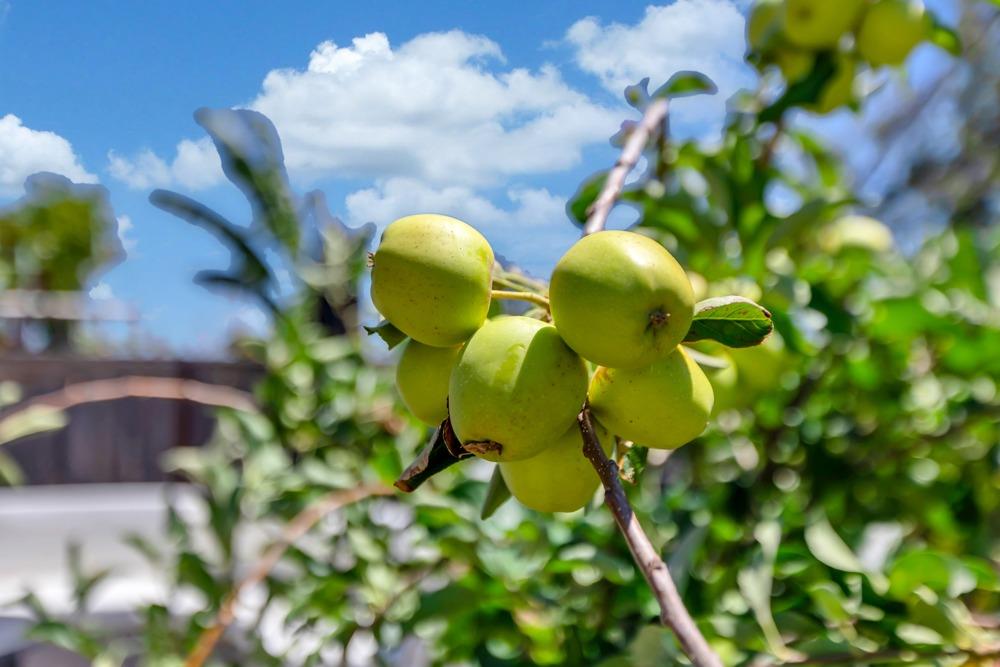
[[536, 299], [673, 613], [658, 318]]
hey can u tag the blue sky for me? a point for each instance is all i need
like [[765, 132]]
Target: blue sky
[[472, 109]]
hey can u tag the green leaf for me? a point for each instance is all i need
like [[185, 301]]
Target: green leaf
[[633, 463], [918, 634], [706, 360], [31, 420], [247, 269], [251, 155], [755, 583], [637, 95], [803, 92], [578, 207], [830, 602], [945, 37], [387, 332], [496, 495], [685, 83], [733, 321], [826, 545]]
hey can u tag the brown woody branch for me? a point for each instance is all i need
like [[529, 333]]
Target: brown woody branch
[[301, 524], [673, 613], [652, 121], [139, 386]]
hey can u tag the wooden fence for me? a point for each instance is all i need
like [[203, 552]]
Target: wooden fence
[[114, 441]]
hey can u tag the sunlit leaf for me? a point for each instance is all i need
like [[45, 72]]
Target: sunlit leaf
[[733, 321], [686, 83], [30, 421]]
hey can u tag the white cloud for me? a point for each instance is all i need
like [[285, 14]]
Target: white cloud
[[101, 292], [440, 108], [195, 165], [532, 229], [397, 197], [24, 151], [702, 35], [125, 225]]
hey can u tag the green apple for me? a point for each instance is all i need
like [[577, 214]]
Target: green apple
[[760, 367], [422, 379], [432, 277], [724, 380], [839, 89], [663, 405], [819, 24], [560, 479], [516, 388], [793, 63], [763, 24], [855, 231], [890, 30], [619, 299]]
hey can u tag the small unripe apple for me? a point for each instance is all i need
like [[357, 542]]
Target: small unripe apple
[[793, 63], [560, 478], [432, 277], [819, 24], [422, 379], [516, 388], [760, 367], [890, 30], [839, 89], [855, 231], [620, 299], [763, 24], [663, 405]]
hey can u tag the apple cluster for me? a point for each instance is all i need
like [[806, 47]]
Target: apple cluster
[[791, 34], [512, 386]]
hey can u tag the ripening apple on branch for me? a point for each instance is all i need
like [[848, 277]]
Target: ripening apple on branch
[[510, 387], [616, 353]]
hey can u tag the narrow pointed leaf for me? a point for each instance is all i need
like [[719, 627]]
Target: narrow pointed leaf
[[496, 495], [387, 332]]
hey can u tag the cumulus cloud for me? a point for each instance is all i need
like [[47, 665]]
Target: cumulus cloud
[[24, 151], [125, 225], [396, 197], [195, 165], [527, 225], [440, 108], [702, 35]]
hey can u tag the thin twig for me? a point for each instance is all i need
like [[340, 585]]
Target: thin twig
[[652, 120], [138, 386], [673, 614], [767, 152], [301, 524], [536, 299]]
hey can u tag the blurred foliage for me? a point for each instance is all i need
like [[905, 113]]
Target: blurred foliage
[[844, 500], [55, 238]]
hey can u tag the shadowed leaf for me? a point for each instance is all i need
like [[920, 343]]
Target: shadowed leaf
[[496, 495], [387, 332]]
